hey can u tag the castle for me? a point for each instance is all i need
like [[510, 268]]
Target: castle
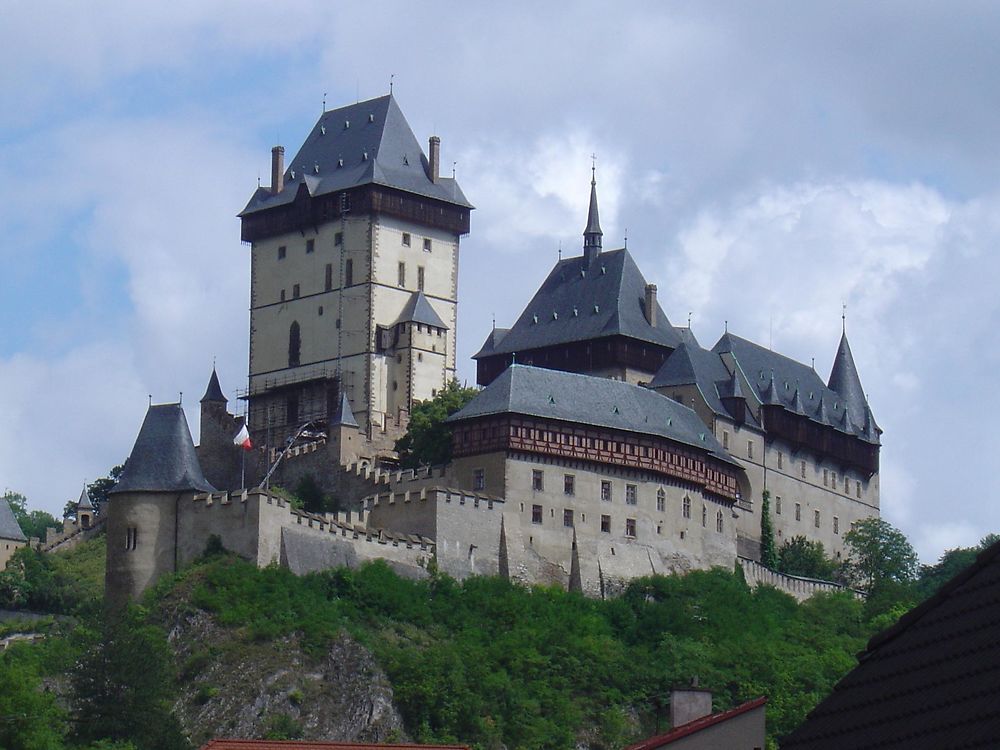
[[605, 444]]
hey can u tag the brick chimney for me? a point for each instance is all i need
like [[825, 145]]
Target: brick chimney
[[277, 169], [434, 166], [650, 304]]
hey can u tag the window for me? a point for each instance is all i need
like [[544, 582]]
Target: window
[[704, 516], [750, 449], [320, 309], [803, 469], [606, 524], [402, 274], [328, 283], [857, 489], [836, 525], [725, 440], [338, 239], [568, 484], [781, 459], [281, 252], [427, 244], [718, 521], [536, 513], [295, 291], [606, 490], [825, 477], [630, 527], [631, 494], [816, 518], [661, 500], [406, 239], [420, 278], [686, 507], [798, 512], [568, 518], [777, 506], [537, 480], [847, 486], [478, 479], [282, 295], [833, 479], [131, 534], [310, 246], [348, 272], [294, 344]]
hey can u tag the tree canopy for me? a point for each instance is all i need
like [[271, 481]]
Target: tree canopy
[[799, 556], [32, 522], [428, 439], [879, 554]]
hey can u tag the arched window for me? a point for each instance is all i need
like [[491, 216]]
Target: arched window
[[294, 345], [718, 521], [661, 500], [687, 506]]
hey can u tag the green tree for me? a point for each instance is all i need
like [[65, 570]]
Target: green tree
[[30, 718], [312, 496], [32, 522], [768, 554], [124, 684], [799, 556], [950, 564], [428, 438], [879, 554], [99, 488]]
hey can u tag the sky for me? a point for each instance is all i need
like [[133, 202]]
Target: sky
[[768, 163]]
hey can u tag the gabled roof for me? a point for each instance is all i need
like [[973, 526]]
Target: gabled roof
[[583, 399], [692, 727], [932, 680], [365, 143], [492, 342], [163, 458], [579, 303], [418, 310], [9, 527], [315, 745], [344, 414], [84, 503], [214, 390]]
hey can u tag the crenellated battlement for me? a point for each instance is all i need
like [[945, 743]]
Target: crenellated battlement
[[449, 495]]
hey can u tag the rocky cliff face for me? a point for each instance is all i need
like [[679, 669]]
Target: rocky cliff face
[[240, 689]]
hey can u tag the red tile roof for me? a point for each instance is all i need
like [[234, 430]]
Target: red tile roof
[[697, 725], [219, 744]]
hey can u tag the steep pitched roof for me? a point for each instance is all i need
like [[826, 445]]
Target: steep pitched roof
[[84, 503], [492, 342], [214, 390], [693, 727], [9, 527], [593, 215], [163, 458], [365, 143], [344, 414], [930, 681], [797, 387], [577, 303], [418, 310], [583, 399], [844, 378]]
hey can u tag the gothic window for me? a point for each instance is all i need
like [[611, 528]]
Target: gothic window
[[606, 490], [537, 480], [661, 500], [630, 527], [536, 513], [294, 345], [718, 521], [686, 507], [631, 492]]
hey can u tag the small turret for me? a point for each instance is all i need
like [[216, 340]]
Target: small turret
[[84, 510], [345, 438], [592, 235], [733, 399]]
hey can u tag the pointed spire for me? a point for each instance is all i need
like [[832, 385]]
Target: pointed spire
[[502, 560], [796, 404], [770, 395], [592, 235], [344, 416], [844, 378], [214, 390], [822, 415], [84, 503], [575, 579]]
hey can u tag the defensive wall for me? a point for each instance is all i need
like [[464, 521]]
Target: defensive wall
[[797, 586]]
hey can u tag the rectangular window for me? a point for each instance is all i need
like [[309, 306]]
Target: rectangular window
[[310, 246], [781, 459], [282, 295], [281, 252], [718, 521], [725, 440], [661, 500], [777, 506], [816, 518], [631, 494], [630, 527], [338, 239], [857, 489], [568, 518], [427, 244], [328, 282], [295, 291], [825, 477], [406, 239], [402, 274], [803, 469], [348, 272], [479, 479], [420, 278], [537, 480], [847, 486], [686, 506], [750, 449], [836, 525], [798, 512], [833, 479], [606, 490], [569, 485], [606, 524], [536, 513]]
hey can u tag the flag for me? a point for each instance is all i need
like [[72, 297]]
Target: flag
[[242, 439]]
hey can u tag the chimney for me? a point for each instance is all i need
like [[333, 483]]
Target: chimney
[[435, 158], [651, 304], [688, 704], [277, 169]]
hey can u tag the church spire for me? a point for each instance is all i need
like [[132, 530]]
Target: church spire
[[844, 378], [592, 235]]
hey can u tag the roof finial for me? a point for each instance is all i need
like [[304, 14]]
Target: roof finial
[[843, 317], [560, 250], [324, 101], [593, 169], [391, 76], [180, 397], [727, 326], [150, 399], [626, 238], [592, 235], [494, 321], [689, 320]]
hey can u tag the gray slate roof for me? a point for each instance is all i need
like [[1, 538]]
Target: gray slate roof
[[344, 414], [930, 681], [577, 303], [9, 527], [84, 503], [844, 378], [376, 145], [418, 310], [214, 390], [583, 399], [163, 458]]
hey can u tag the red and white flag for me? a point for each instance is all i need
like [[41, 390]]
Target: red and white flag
[[242, 439]]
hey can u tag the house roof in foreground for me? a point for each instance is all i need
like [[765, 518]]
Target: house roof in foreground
[[693, 727]]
